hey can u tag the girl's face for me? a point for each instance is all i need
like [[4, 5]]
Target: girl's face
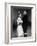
[[20, 15]]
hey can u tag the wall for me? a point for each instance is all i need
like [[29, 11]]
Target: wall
[[2, 22]]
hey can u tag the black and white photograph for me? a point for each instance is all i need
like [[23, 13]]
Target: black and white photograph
[[20, 21]]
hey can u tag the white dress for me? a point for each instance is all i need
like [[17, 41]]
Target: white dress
[[19, 27]]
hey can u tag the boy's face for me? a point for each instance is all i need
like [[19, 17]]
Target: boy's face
[[24, 13]]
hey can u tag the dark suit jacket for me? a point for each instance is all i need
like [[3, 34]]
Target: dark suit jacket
[[25, 22]]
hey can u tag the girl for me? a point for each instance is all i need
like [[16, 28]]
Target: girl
[[19, 26]]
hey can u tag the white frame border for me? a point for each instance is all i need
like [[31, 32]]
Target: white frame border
[[8, 18]]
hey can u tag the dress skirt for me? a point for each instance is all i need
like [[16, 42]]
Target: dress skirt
[[20, 30]]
